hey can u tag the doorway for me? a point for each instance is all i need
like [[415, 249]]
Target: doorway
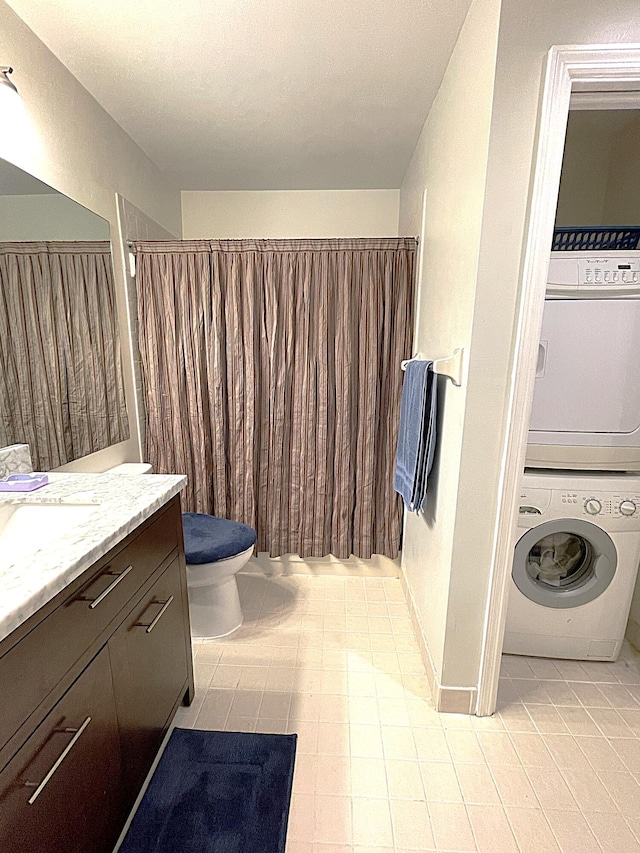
[[607, 75]]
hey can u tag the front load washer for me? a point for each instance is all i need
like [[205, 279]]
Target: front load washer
[[574, 566]]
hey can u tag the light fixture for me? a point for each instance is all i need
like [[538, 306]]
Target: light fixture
[[5, 70]]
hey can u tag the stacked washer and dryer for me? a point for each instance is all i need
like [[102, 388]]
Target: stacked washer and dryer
[[578, 547]]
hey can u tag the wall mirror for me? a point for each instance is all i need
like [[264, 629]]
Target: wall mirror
[[61, 386]]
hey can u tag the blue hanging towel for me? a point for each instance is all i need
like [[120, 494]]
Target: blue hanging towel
[[417, 434]]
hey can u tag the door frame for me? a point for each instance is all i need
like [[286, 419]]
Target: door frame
[[591, 67]]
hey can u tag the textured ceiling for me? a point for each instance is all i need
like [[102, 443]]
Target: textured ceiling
[[260, 94]]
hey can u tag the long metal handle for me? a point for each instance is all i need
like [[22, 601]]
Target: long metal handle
[[157, 618], [119, 576], [40, 786]]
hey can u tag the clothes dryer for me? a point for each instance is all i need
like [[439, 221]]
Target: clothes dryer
[[575, 565], [586, 405]]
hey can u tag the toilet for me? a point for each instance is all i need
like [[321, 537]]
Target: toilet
[[216, 549]]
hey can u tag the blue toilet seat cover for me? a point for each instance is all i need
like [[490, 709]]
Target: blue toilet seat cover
[[208, 538]]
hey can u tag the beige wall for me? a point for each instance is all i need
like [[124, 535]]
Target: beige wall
[[633, 627], [527, 31], [59, 133], [450, 162], [600, 183], [585, 169], [622, 201], [290, 214]]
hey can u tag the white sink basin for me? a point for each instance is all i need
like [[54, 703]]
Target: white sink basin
[[25, 528]]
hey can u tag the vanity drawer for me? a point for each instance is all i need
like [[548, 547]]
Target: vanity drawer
[[35, 665], [60, 792]]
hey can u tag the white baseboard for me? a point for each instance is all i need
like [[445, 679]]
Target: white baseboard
[[446, 700]]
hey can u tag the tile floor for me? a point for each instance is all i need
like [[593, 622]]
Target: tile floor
[[379, 771]]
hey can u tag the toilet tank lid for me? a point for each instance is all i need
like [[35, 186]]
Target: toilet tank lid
[[130, 468]]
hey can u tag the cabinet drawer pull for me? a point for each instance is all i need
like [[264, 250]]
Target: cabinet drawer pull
[[40, 786], [151, 625], [118, 576]]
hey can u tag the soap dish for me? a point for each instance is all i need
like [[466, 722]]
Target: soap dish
[[23, 482]]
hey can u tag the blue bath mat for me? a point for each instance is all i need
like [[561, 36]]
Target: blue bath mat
[[216, 792]]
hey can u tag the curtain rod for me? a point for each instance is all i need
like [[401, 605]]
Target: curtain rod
[[131, 243]]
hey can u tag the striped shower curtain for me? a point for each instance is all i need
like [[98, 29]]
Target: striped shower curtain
[[271, 374], [61, 385]]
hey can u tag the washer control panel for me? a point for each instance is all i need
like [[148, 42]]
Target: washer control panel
[[598, 503], [609, 502]]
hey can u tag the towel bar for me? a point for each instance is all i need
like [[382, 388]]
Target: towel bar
[[452, 366]]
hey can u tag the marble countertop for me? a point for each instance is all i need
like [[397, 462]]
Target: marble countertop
[[122, 502]]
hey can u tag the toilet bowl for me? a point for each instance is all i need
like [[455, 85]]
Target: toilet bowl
[[216, 549], [214, 602]]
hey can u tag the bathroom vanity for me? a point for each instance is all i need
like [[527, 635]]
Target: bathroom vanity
[[95, 658]]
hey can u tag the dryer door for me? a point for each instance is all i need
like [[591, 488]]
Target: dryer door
[[564, 563], [587, 390]]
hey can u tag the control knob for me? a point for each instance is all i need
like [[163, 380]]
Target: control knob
[[593, 506], [627, 507]]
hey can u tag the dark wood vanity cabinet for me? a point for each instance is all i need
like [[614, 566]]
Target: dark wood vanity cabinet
[[60, 792], [87, 691], [148, 656]]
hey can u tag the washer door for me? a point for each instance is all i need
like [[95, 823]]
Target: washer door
[[564, 563]]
